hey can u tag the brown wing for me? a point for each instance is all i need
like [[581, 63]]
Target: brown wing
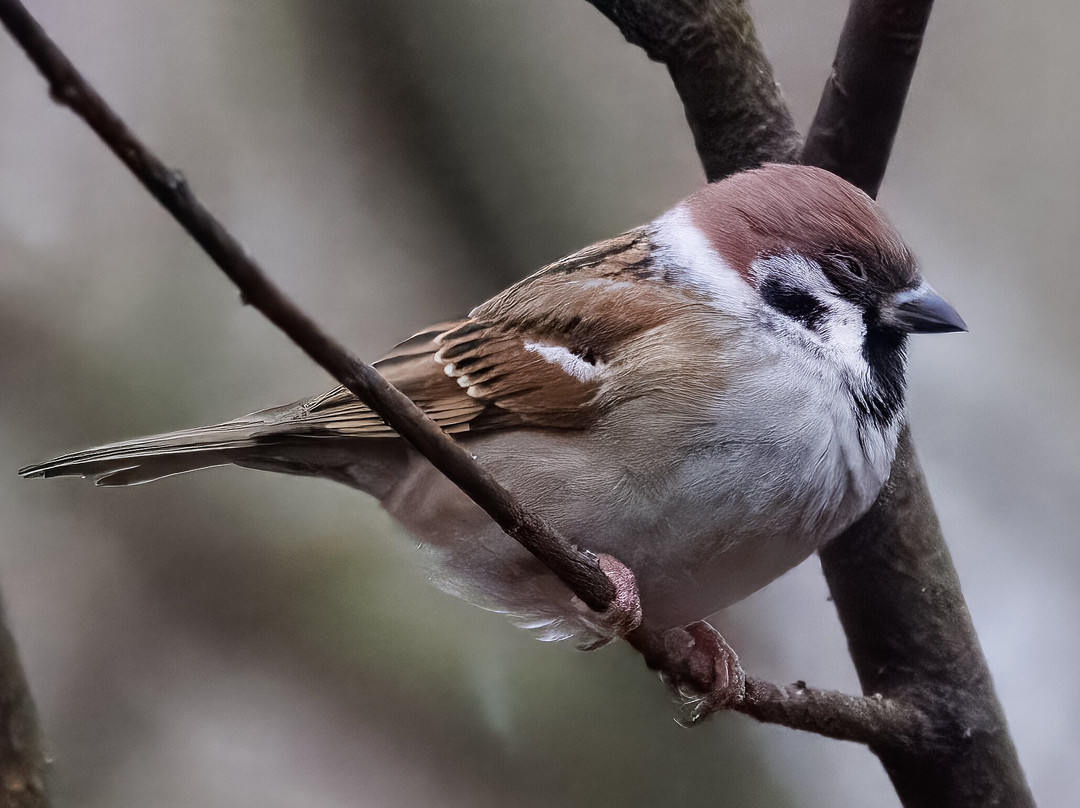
[[542, 353], [411, 368]]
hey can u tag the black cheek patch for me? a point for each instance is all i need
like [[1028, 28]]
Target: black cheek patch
[[800, 306]]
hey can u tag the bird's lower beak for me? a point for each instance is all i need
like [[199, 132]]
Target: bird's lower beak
[[923, 311]]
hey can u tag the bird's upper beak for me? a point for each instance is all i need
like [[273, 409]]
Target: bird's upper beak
[[923, 311]]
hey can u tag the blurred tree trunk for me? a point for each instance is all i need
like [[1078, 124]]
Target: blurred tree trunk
[[23, 767]]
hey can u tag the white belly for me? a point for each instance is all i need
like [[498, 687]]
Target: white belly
[[704, 515]]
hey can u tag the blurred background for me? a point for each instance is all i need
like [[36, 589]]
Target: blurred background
[[233, 638]]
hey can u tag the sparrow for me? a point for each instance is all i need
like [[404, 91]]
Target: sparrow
[[708, 398]]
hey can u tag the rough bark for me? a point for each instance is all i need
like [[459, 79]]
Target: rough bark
[[912, 640], [891, 576]]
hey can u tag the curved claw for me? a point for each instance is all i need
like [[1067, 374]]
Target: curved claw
[[707, 675], [623, 614]]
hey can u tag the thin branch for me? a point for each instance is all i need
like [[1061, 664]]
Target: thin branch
[[872, 720], [862, 719], [578, 569], [733, 104], [23, 767]]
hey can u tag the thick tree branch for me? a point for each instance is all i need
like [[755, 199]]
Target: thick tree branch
[[733, 104], [22, 759], [911, 638], [891, 576], [894, 586], [859, 112]]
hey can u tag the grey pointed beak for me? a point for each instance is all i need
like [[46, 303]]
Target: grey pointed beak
[[923, 311]]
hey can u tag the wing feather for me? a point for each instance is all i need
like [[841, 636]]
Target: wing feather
[[542, 353]]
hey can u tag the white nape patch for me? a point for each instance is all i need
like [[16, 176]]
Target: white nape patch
[[570, 362], [683, 248]]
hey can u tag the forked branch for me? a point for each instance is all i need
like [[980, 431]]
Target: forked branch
[[738, 119]]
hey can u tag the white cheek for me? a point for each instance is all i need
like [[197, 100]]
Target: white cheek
[[567, 360], [842, 330], [683, 248], [845, 331]]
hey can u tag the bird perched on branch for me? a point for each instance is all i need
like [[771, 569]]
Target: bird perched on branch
[[708, 399]]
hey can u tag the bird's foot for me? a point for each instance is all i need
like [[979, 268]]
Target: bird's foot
[[622, 615], [705, 672]]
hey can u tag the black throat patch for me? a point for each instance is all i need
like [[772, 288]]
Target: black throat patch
[[885, 352]]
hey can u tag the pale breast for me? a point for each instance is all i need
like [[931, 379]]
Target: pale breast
[[707, 490]]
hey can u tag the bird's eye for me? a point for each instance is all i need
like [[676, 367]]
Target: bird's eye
[[849, 264]]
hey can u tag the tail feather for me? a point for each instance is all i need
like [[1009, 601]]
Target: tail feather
[[256, 441], [319, 436], [151, 458]]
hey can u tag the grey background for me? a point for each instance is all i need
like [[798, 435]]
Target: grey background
[[236, 638]]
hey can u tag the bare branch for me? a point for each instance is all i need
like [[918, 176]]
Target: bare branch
[[22, 761], [860, 108], [739, 120], [909, 633], [863, 719], [874, 720], [733, 103], [578, 569], [911, 639]]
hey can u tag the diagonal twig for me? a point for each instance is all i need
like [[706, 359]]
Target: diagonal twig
[[575, 567], [864, 719]]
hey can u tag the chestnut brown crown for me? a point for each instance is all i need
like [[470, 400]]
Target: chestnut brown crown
[[780, 209]]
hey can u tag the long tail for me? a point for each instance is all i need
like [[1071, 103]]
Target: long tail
[[144, 459], [332, 435]]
